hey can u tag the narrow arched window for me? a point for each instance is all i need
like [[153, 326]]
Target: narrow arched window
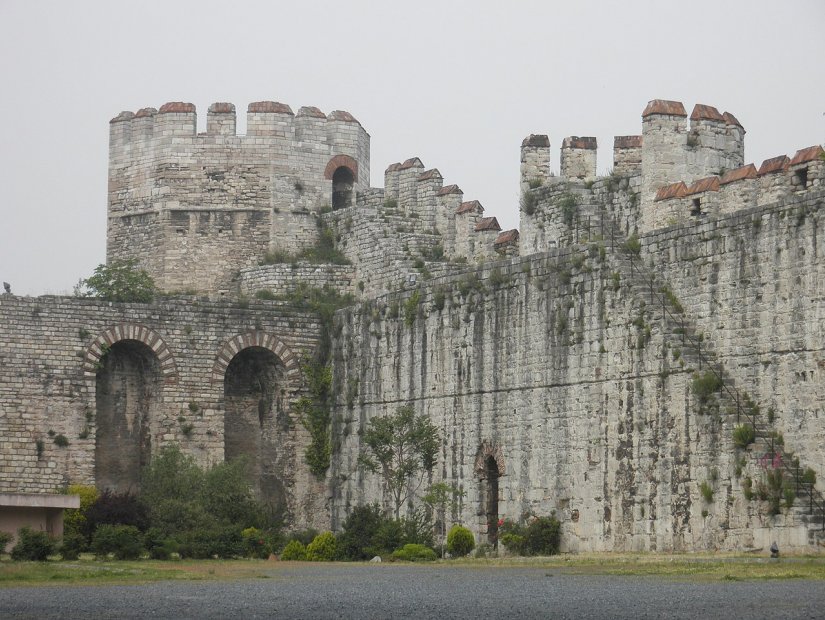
[[343, 181]]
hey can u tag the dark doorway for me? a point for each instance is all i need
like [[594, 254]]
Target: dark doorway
[[128, 394], [342, 183], [252, 399], [491, 498]]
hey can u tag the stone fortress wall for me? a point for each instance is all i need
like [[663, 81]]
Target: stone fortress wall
[[120, 381], [547, 359]]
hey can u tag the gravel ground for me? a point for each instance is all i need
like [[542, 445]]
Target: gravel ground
[[405, 591]]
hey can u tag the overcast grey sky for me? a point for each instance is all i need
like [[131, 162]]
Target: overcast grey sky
[[458, 84]]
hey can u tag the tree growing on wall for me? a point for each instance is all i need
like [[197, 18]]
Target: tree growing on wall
[[120, 280], [402, 448]]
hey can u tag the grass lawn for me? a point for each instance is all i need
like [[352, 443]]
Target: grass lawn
[[705, 567]]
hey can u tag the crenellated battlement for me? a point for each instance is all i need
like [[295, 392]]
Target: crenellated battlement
[[740, 188], [180, 200]]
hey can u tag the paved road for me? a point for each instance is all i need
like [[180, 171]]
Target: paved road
[[408, 591]]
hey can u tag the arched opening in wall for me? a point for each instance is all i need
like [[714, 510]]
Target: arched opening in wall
[[128, 397], [490, 498], [343, 181], [254, 418]]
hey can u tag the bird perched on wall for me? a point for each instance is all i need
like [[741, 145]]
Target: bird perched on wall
[[7, 286]]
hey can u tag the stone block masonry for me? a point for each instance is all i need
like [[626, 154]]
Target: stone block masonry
[[69, 362], [193, 208], [548, 364]]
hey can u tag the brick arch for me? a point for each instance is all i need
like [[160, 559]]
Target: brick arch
[[341, 160], [238, 343], [485, 450], [130, 331]]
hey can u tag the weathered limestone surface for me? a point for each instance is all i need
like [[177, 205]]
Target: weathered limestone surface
[[568, 379]]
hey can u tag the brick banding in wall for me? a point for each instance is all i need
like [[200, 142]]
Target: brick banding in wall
[[238, 343], [485, 450], [341, 160], [130, 331]]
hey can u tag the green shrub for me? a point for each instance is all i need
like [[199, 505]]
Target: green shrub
[[705, 384], [541, 536], [5, 539], [254, 543], [706, 491], [32, 546], [529, 202], [294, 552], [809, 477], [411, 308], [359, 529], [265, 294], [120, 280], [158, 546], [460, 541], [743, 435], [215, 542], [61, 441], [72, 545], [124, 541], [632, 245], [112, 508], [322, 548], [414, 553], [74, 519]]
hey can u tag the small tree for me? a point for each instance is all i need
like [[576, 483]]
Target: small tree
[[402, 447], [120, 280], [439, 496]]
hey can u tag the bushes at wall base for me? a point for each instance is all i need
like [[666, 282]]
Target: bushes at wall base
[[414, 553], [32, 546], [323, 548], [159, 546], [218, 542], [255, 543], [125, 542], [5, 539], [294, 552], [460, 541], [73, 544], [539, 536]]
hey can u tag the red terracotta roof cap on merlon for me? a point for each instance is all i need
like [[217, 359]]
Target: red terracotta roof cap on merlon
[[268, 107], [393, 167], [449, 189], [576, 142], [145, 112], [430, 174], [737, 174], [487, 223], [627, 142], [341, 115], [508, 236], [536, 139], [774, 164], [310, 110], [708, 184], [412, 162], [222, 108], [674, 190], [178, 107], [126, 115], [663, 106], [469, 207], [702, 112], [730, 119], [805, 155]]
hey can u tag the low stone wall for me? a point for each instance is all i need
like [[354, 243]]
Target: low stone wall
[[283, 279]]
